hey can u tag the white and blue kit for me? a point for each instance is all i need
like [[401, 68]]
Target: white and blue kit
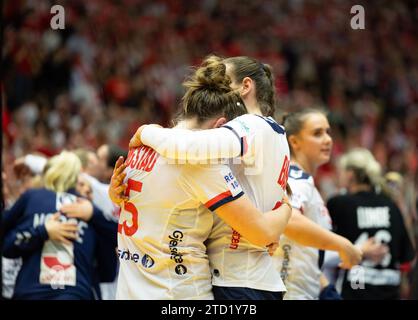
[[298, 265], [258, 155]]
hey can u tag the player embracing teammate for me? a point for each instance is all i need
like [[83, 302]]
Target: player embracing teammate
[[259, 160]]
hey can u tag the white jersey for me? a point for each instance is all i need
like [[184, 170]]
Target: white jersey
[[262, 173], [299, 266], [163, 227]]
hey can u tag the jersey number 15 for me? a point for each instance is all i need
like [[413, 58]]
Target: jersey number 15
[[130, 230]]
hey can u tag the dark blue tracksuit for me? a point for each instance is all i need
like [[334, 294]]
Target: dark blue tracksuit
[[92, 256]]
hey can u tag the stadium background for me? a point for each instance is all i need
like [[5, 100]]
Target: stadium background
[[120, 64]]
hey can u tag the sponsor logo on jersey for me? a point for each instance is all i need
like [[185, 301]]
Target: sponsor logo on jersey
[[180, 269], [174, 239], [235, 239], [284, 272], [127, 255], [231, 181], [57, 265], [243, 125], [147, 261]]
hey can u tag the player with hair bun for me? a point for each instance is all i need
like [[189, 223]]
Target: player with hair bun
[[299, 260], [166, 212], [241, 270]]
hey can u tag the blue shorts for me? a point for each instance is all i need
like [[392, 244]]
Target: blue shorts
[[329, 293], [238, 293]]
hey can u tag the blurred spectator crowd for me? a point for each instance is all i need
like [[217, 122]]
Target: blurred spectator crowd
[[118, 64]]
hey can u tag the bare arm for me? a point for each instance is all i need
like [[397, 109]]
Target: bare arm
[[258, 228], [308, 233]]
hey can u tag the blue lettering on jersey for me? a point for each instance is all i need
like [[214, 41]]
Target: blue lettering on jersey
[[230, 179]]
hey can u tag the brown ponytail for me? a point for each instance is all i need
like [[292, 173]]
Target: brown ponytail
[[269, 96], [262, 75], [209, 93]]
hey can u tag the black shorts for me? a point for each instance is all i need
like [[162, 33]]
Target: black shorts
[[238, 293]]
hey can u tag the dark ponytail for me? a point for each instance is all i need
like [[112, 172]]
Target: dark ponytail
[[269, 96], [262, 75], [209, 93]]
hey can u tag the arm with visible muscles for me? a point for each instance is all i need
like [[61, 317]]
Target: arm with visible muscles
[[240, 213], [308, 233], [258, 228], [218, 190]]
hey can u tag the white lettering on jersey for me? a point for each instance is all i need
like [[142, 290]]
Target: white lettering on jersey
[[41, 218], [373, 217], [381, 236], [377, 277]]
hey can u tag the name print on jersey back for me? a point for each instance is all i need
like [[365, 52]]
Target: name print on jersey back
[[368, 217], [142, 158]]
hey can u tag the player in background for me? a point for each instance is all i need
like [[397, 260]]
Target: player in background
[[300, 265], [241, 270], [311, 144], [167, 214], [364, 212], [59, 252], [96, 170]]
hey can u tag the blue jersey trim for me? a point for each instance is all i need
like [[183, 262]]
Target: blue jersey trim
[[321, 257], [297, 173], [273, 124], [241, 140], [225, 200]]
